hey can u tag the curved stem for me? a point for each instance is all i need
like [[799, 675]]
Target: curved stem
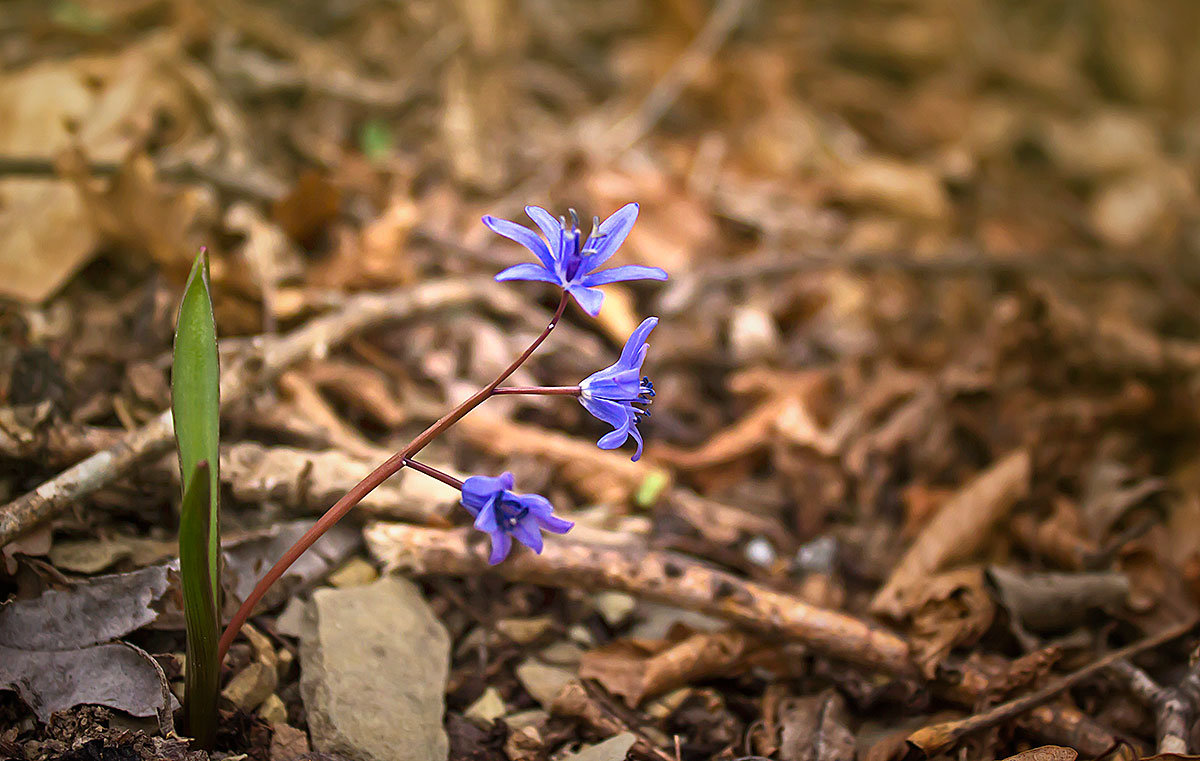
[[539, 390], [385, 471]]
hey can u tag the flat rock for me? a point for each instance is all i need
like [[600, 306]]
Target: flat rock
[[374, 661]]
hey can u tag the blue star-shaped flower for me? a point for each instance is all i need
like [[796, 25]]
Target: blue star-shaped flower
[[502, 514], [612, 393], [566, 263]]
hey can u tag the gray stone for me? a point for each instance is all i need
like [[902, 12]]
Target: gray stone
[[374, 661], [543, 682]]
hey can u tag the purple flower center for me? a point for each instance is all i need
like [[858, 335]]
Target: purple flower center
[[509, 512]]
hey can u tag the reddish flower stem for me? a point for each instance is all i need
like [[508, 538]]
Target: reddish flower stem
[[385, 471], [434, 473], [539, 390]]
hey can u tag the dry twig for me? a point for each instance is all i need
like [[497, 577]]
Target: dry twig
[[268, 357], [937, 738], [1174, 707], [662, 576]]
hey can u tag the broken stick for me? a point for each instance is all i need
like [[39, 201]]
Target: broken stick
[[661, 576]]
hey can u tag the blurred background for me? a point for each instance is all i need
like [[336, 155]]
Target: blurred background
[[905, 237]]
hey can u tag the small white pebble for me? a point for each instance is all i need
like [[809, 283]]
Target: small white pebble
[[760, 552]]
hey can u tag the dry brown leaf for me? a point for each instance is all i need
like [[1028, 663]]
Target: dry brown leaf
[[815, 729], [136, 212], [1046, 753], [785, 412], [954, 609], [362, 388], [102, 105], [55, 649], [308, 208], [1061, 537], [724, 524], [960, 527], [635, 672], [288, 743]]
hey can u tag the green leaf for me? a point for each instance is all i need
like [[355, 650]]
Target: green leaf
[[197, 573], [651, 488], [375, 140], [195, 398]]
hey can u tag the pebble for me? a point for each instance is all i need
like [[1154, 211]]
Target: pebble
[[489, 707], [251, 686], [272, 710], [1127, 212], [543, 682], [355, 573], [615, 607]]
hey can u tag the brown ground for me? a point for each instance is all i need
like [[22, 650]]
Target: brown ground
[[933, 331]]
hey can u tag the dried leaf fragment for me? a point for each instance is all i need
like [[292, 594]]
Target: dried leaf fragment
[[958, 529], [636, 673], [814, 729]]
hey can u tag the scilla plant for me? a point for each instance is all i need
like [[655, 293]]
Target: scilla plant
[[617, 395], [195, 406]]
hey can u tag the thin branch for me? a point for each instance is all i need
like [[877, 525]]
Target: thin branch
[[270, 356], [1174, 710], [260, 188], [662, 576], [937, 738]]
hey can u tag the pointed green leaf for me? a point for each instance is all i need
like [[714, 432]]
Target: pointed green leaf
[[195, 396], [197, 574]]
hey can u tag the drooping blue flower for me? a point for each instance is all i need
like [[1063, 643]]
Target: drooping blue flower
[[563, 261], [502, 514], [618, 393]]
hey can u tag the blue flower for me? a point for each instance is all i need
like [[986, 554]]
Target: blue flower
[[566, 263], [502, 514], [612, 393]]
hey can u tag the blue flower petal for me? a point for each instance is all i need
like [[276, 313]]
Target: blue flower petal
[[605, 240], [613, 439], [529, 533], [554, 524], [480, 489], [486, 520], [536, 504], [632, 355], [637, 436], [528, 271], [522, 235], [549, 226], [623, 273], [613, 413], [589, 299], [501, 544]]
